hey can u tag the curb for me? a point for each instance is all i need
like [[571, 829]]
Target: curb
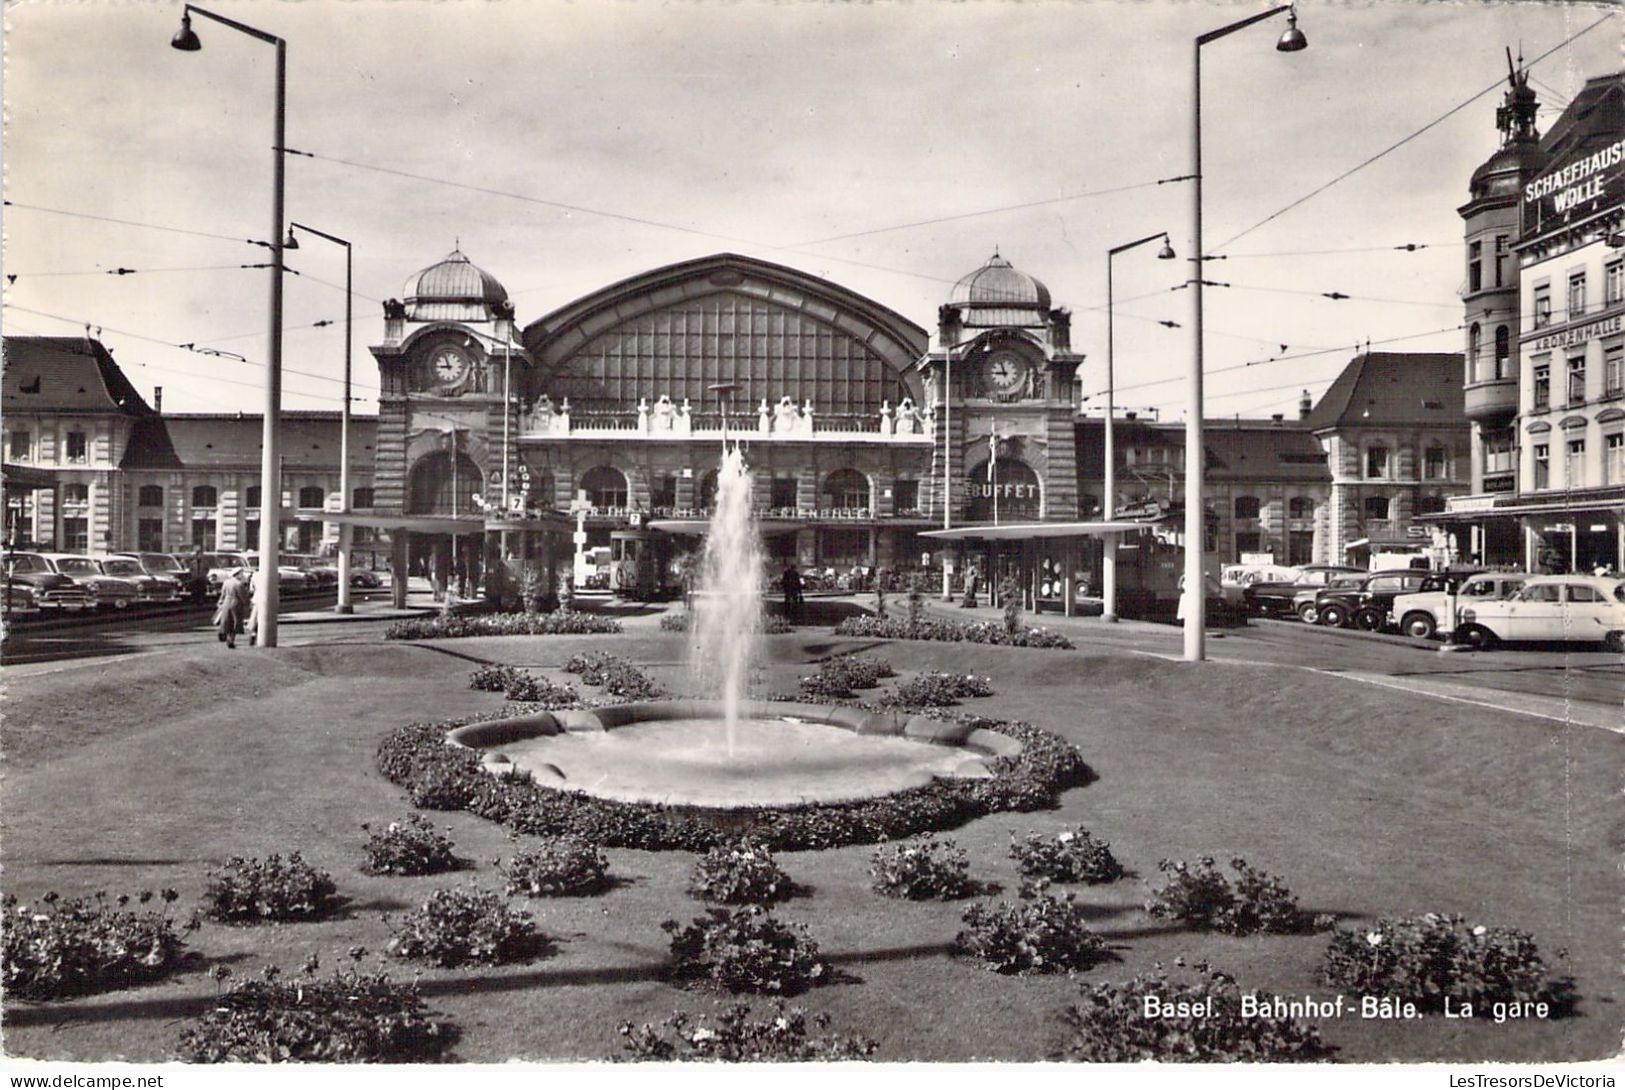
[[1389, 638]]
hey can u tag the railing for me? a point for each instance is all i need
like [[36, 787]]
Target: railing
[[786, 420]]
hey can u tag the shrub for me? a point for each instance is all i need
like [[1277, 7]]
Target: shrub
[[492, 677], [614, 674], [1204, 898], [739, 874], [950, 632], [1039, 933], [248, 890], [1072, 855], [56, 948], [1110, 1024], [557, 867], [675, 622], [935, 690], [1434, 958], [413, 846], [1010, 593], [464, 924], [746, 950], [736, 1036], [916, 601], [837, 677], [562, 622], [925, 870], [352, 1017], [527, 688], [774, 624], [532, 588]]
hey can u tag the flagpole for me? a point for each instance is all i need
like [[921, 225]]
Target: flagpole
[[992, 462]]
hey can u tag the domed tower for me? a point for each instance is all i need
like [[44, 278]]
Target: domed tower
[[1490, 292]]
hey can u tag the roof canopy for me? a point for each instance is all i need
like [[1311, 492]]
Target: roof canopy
[[1023, 531]]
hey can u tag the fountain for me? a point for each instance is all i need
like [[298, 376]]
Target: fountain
[[728, 601]]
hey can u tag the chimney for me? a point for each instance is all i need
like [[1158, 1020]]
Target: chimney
[[1277, 418], [157, 399], [1305, 404], [1060, 330], [949, 329]]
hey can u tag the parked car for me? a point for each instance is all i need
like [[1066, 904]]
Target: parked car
[[1571, 608], [19, 601], [1270, 597], [289, 577], [104, 590], [164, 566], [1427, 613], [52, 591], [365, 578], [1367, 606], [151, 589], [321, 573], [1306, 603], [223, 564]]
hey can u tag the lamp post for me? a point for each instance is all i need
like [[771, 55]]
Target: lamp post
[[1195, 589], [1108, 553], [346, 532], [270, 483]]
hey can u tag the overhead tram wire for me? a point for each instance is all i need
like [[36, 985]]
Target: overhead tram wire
[[122, 270], [133, 223], [1407, 139]]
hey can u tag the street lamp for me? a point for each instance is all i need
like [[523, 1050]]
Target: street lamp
[[270, 481], [1195, 590], [1108, 556], [346, 531]]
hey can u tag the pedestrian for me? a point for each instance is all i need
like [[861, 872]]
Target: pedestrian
[[199, 580], [234, 605], [791, 582]]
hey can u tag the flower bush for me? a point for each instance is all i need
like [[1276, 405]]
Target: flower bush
[[527, 688], [615, 675], [466, 924], [923, 870], [492, 677], [783, 1037], [1039, 933], [772, 624], [249, 890], [561, 622], [1204, 898], [739, 874], [412, 846], [559, 866], [837, 677], [437, 776], [1434, 958], [935, 690], [675, 622], [351, 1017], [746, 950], [950, 632], [1072, 855], [1109, 1024], [56, 948]]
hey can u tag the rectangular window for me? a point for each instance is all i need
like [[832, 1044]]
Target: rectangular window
[[1376, 507], [1498, 453], [1613, 283], [149, 535], [1574, 469], [1433, 463], [1475, 266], [784, 493], [76, 535], [76, 446], [1376, 462], [1248, 542], [1613, 368], [1543, 383], [1542, 310], [1300, 546], [1577, 295], [251, 533], [1500, 260], [1543, 466], [1613, 460], [906, 497], [19, 446], [663, 491], [1577, 380], [19, 523], [203, 534]]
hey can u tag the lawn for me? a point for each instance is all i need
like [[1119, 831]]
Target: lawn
[[144, 774]]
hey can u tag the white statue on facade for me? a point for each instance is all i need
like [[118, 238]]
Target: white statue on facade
[[785, 416], [664, 413]]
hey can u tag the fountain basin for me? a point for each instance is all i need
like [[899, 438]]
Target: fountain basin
[[676, 752]]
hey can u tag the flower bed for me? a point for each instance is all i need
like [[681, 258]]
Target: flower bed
[[739, 874], [444, 777], [746, 950], [926, 870], [1072, 855], [460, 925], [57, 948], [1204, 898], [772, 624], [839, 676], [615, 675], [951, 632], [737, 1037], [412, 846], [249, 890], [1039, 933], [935, 690], [448, 627], [560, 866]]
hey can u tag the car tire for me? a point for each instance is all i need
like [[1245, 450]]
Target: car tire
[[1334, 616], [1418, 625], [1615, 642], [1308, 614], [1476, 636], [1369, 620]]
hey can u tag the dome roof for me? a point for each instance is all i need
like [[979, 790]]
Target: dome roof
[[1506, 170], [453, 289], [1000, 294]]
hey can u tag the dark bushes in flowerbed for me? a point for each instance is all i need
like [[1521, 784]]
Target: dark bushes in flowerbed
[[58, 948], [350, 1017], [530, 689], [922, 870], [1204, 898], [466, 924], [1110, 1023], [446, 627], [617, 676], [439, 776], [746, 950], [935, 690], [1072, 855], [493, 677], [739, 874], [411, 846], [772, 624], [839, 676], [1039, 933], [951, 632], [250, 890], [787, 1035], [560, 866], [1434, 959]]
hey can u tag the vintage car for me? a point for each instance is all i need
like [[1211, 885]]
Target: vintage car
[[289, 577], [151, 589], [104, 590], [1427, 613], [19, 601], [164, 566], [1270, 597], [323, 574], [221, 565], [1367, 605], [365, 579], [51, 591], [1570, 608]]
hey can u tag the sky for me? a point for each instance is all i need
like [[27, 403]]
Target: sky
[[889, 147]]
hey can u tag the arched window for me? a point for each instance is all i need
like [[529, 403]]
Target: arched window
[[362, 497], [605, 487], [252, 499], [151, 495], [205, 495], [1301, 507], [847, 489], [312, 496], [437, 487], [1475, 338], [1503, 351], [1376, 507], [1247, 507]]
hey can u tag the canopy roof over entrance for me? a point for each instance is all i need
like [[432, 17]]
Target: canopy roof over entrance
[[701, 527], [422, 524], [1022, 531]]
